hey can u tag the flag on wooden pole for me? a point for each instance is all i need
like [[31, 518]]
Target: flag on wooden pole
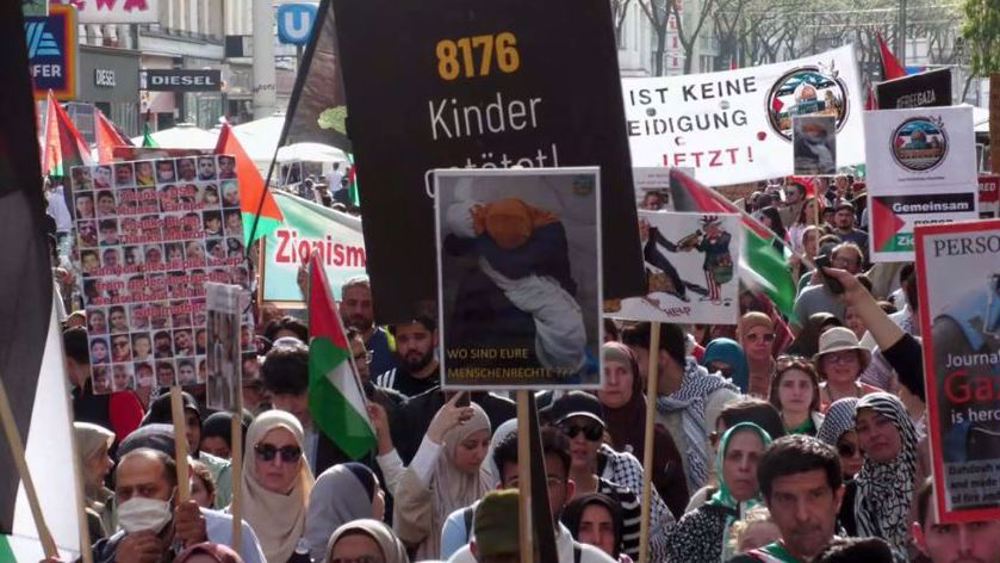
[[31, 356], [336, 400]]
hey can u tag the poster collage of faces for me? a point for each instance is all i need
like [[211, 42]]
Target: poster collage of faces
[[150, 234]]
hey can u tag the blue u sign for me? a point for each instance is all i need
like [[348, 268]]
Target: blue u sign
[[295, 23]]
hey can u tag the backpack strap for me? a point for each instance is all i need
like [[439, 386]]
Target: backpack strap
[[467, 515]]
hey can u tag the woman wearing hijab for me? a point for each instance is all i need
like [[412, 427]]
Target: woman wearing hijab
[[216, 434], [883, 489], [795, 393], [595, 519], [446, 474], [726, 356], [703, 535], [354, 541], [837, 430], [276, 483], [345, 492], [93, 442], [623, 407]]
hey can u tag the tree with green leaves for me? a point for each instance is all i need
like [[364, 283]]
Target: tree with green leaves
[[981, 32]]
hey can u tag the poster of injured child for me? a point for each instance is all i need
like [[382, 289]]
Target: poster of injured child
[[691, 269], [519, 262]]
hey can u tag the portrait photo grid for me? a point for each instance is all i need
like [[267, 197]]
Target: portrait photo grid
[[150, 234]]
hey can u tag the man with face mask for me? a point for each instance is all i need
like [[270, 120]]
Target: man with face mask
[[153, 524]]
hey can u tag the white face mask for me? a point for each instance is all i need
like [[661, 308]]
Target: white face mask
[[139, 513]]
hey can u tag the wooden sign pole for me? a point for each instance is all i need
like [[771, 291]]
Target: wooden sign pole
[[180, 444], [525, 527], [647, 457], [17, 452]]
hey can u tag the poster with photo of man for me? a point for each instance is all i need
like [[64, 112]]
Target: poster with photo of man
[[222, 345], [814, 144], [960, 326], [692, 276], [150, 234], [519, 268]]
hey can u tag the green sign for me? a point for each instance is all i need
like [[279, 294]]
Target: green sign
[[310, 227]]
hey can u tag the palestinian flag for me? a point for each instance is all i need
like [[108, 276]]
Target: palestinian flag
[[885, 226], [261, 215], [761, 264], [64, 146], [107, 137], [352, 182], [147, 134], [31, 357], [890, 65], [336, 400]]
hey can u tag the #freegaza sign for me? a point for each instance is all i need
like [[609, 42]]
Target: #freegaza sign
[[736, 126]]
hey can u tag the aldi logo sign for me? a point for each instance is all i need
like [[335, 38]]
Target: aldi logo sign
[[52, 52]]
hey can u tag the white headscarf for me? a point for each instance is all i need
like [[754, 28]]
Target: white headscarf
[[278, 519], [338, 497]]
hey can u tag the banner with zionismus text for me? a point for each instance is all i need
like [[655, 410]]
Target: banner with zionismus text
[[309, 226]]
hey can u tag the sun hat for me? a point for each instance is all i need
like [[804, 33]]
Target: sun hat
[[838, 339]]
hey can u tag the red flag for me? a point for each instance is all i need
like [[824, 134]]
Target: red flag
[[871, 103], [890, 65], [107, 137], [261, 215], [64, 145]]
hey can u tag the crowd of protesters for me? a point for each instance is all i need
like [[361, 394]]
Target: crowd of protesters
[[793, 440]]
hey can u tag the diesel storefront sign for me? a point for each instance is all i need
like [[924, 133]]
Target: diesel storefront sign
[[108, 75], [182, 80]]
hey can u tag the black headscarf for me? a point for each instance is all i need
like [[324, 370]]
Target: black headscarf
[[220, 425], [573, 513]]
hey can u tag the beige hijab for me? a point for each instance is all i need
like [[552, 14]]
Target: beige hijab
[[279, 520], [393, 550], [89, 439], [452, 488]]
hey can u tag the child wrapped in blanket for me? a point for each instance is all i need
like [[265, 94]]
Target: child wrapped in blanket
[[523, 251]]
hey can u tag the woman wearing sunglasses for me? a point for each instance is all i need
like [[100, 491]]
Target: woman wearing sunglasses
[[703, 535], [840, 361], [592, 467], [795, 393], [837, 430], [276, 484]]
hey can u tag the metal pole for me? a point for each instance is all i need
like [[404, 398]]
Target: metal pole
[[901, 34], [264, 94]]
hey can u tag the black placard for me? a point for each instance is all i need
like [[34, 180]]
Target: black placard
[[422, 95], [927, 89], [182, 80]]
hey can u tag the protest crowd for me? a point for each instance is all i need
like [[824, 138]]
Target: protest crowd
[[773, 441], [210, 424]]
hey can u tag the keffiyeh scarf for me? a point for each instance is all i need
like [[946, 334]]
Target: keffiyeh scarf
[[690, 400], [885, 490]]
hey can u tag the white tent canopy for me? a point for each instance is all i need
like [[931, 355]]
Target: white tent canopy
[[183, 136], [260, 139]]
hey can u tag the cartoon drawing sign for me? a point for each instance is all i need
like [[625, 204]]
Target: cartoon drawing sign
[[736, 126], [691, 269], [960, 324]]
